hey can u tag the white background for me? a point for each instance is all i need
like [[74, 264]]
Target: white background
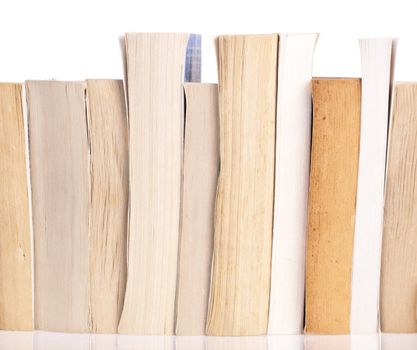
[[79, 39]]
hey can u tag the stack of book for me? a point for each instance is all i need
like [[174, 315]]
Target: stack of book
[[269, 203]]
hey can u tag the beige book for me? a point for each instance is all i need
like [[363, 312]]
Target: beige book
[[398, 294], [59, 161], [155, 70], [241, 271], [107, 126], [15, 238], [201, 168], [331, 209]]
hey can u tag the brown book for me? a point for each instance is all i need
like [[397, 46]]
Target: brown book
[[398, 294], [331, 211], [241, 270], [15, 237], [59, 162], [201, 169], [109, 198]]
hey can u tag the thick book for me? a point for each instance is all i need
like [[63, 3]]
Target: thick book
[[292, 169], [399, 257], [108, 207], [331, 206], [201, 169], [376, 80], [15, 236], [241, 270], [59, 164], [155, 72]]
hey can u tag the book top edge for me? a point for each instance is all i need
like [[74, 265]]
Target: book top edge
[[199, 84], [336, 78]]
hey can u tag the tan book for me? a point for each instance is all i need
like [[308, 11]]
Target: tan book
[[15, 238], [241, 271], [156, 125], [109, 171], [59, 161], [331, 210], [399, 247], [201, 169]]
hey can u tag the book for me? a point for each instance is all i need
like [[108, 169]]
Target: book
[[108, 207], [241, 268], [331, 205], [59, 164], [201, 168], [155, 72], [398, 264], [292, 169], [15, 235], [366, 265]]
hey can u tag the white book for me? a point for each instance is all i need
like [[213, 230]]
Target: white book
[[376, 60], [155, 71], [292, 168]]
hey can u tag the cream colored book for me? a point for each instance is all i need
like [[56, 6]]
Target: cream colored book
[[399, 258], [292, 170], [15, 238], [201, 169], [59, 162], [241, 270], [376, 79], [155, 72], [108, 207]]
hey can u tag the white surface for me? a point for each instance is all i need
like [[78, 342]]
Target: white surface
[[376, 72], [60, 341], [292, 169]]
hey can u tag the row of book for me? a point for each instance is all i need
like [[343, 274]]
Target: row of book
[[160, 207]]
